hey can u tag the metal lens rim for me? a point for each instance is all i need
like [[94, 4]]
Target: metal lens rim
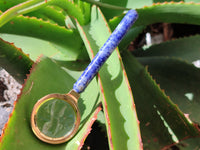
[[70, 99]]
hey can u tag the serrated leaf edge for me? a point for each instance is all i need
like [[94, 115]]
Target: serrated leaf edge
[[5, 128], [93, 119], [180, 114]]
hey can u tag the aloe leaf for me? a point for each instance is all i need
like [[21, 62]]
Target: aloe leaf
[[169, 124], [185, 144], [32, 5], [68, 42], [162, 1], [77, 65], [106, 5], [186, 48], [189, 144], [72, 9], [130, 4], [177, 74], [18, 134], [86, 10], [6, 4], [21, 8], [195, 1], [170, 12], [14, 60], [121, 119], [162, 12], [26, 7], [36, 47], [109, 13], [50, 13]]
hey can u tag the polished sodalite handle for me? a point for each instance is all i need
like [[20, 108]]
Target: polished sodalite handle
[[105, 51]]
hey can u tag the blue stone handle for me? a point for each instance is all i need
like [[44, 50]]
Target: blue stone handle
[[105, 51]]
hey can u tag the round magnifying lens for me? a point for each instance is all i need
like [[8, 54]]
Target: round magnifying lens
[[55, 118]]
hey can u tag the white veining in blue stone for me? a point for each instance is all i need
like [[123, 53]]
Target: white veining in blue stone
[[105, 51]]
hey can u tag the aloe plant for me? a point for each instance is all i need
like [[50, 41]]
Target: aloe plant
[[144, 95]]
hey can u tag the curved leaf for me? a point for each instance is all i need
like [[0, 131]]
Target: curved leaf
[[19, 9], [50, 13], [168, 124], [121, 119], [31, 5], [36, 47], [189, 144], [14, 60], [131, 4], [74, 10], [18, 134], [186, 48], [6, 4], [109, 13], [170, 12], [195, 1], [68, 42], [172, 74]]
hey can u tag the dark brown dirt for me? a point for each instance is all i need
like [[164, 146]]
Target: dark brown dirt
[[97, 139], [2, 89]]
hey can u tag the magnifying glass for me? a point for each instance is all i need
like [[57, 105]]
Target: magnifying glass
[[56, 118]]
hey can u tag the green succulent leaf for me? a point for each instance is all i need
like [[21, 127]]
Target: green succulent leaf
[[21, 8], [66, 41], [86, 10], [106, 5], [72, 9], [6, 4], [194, 1], [109, 13], [18, 134], [185, 48], [121, 119], [170, 12], [130, 4], [50, 13], [172, 73], [36, 47], [162, 122], [188, 144], [80, 13], [14, 60]]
